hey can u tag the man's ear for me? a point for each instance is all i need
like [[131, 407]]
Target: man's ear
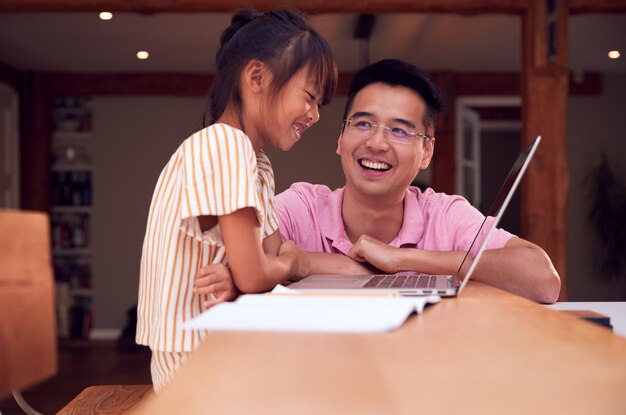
[[429, 151], [256, 75]]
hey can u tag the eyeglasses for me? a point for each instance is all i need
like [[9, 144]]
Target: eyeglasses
[[399, 133]]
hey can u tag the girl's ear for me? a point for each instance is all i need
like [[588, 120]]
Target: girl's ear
[[256, 75]]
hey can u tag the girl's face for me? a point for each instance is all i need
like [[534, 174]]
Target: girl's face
[[295, 109]]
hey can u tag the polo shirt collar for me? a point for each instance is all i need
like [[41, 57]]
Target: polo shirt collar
[[332, 227]]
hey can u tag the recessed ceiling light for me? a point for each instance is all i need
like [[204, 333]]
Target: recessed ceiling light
[[106, 15], [614, 54], [142, 54]]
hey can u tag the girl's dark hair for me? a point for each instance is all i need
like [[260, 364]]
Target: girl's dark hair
[[280, 39]]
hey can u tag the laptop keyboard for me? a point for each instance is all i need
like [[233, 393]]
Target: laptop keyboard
[[401, 281]]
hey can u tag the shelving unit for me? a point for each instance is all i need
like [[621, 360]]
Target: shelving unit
[[71, 213]]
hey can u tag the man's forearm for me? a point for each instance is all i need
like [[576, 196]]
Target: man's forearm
[[519, 267], [326, 263]]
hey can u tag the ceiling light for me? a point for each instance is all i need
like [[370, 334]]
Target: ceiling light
[[614, 54], [106, 15], [142, 54]]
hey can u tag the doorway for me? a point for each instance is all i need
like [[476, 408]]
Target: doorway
[[488, 136]]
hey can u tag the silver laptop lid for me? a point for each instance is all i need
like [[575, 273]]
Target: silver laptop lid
[[498, 207]]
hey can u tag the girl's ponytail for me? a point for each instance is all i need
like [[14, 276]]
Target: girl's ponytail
[[239, 20]]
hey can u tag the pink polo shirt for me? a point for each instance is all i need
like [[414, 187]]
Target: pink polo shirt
[[310, 216]]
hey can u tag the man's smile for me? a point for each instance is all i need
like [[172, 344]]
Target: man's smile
[[368, 164]]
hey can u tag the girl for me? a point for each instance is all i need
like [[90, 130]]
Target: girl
[[213, 202]]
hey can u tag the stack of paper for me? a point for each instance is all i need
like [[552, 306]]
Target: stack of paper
[[312, 313]]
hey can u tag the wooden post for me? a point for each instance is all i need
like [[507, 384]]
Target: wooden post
[[544, 112], [35, 143], [443, 163]]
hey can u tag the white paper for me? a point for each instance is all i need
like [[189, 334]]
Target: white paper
[[281, 289], [310, 313]]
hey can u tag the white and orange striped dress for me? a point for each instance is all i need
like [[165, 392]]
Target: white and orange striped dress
[[214, 172]]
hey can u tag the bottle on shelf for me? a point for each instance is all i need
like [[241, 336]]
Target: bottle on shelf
[[72, 197]]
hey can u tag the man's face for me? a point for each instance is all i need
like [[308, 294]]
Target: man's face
[[377, 165]]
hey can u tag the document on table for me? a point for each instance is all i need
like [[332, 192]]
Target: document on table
[[281, 311]]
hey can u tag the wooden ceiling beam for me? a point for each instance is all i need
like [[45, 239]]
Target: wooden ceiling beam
[[308, 6], [312, 6], [189, 84], [170, 84], [596, 6]]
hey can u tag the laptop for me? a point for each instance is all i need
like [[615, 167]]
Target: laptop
[[415, 283]]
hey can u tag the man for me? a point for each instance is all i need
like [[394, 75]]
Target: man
[[378, 218]]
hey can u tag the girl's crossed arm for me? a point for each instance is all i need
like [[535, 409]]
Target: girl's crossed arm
[[251, 268], [277, 260]]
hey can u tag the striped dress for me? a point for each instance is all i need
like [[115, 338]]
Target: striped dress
[[214, 172]]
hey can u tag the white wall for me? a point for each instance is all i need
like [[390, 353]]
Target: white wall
[[134, 138], [595, 124]]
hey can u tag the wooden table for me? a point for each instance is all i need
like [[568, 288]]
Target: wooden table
[[107, 399], [485, 352]]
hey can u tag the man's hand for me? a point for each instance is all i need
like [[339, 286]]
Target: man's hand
[[379, 254], [215, 281]]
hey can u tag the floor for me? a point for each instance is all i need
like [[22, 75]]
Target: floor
[[81, 364]]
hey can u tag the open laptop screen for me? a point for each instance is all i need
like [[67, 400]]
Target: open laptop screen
[[500, 203]]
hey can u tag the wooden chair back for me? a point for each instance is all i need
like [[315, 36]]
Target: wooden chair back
[[28, 349]]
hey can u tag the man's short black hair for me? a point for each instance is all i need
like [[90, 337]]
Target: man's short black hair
[[395, 72]]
